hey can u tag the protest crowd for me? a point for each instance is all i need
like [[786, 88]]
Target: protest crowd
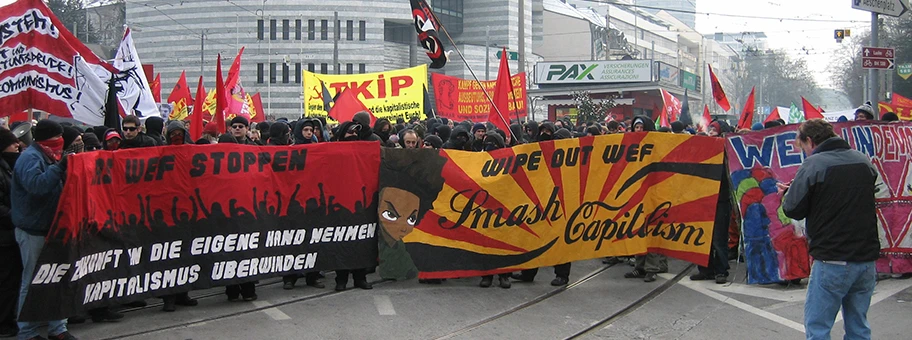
[[34, 167]]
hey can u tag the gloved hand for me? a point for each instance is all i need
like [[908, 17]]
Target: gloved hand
[[63, 162]]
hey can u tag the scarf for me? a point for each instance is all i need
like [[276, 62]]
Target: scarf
[[53, 148]]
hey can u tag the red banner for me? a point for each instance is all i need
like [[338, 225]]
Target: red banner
[[156, 221], [460, 99]]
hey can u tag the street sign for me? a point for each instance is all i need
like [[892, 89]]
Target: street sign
[[904, 71], [889, 7], [510, 55], [877, 58], [878, 52], [877, 63]]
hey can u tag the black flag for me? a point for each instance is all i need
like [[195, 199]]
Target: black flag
[[112, 113], [426, 25], [685, 111]]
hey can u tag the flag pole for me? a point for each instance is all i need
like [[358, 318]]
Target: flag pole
[[464, 61]]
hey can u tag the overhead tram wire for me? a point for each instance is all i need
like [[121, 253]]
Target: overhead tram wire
[[723, 14]]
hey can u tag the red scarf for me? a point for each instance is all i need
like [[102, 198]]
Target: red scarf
[[53, 148]]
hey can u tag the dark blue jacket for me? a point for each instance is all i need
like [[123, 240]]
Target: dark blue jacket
[[37, 184]]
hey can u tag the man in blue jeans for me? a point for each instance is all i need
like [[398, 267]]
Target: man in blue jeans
[[834, 191], [35, 191]]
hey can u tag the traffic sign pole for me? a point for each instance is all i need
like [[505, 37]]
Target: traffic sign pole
[[873, 83]]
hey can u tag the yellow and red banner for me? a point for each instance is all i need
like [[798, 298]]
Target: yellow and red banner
[[453, 213], [390, 94], [899, 105]]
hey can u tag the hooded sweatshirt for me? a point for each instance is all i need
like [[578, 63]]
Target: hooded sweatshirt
[[542, 136], [517, 136], [648, 124], [444, 132], [454, 143], [154, 126], [378, 129], [178, 126], [533, 131], [363, 118]]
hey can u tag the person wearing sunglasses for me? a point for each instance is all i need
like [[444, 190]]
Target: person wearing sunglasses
[[348, 132], [133, 137], [239, 127]]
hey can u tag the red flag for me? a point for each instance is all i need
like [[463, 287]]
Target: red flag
[[773, 115], [810, 112], [180, 99], [234, 73], [196, 120], [706, 118], [258, 107], [718, 93], [220, 98], [502, 89], [19, 117], [346, 106], [747, 117], [671, 108], [156, 87], [900, 101]]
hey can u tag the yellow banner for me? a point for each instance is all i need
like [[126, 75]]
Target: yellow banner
[[390, 94], [548, 203]]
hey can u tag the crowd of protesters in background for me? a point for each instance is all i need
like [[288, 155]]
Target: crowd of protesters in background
[[32, 172]]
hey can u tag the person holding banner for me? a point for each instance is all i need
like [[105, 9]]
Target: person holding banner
[[492, 141], [34, 194], [834, 191], [353, 131]]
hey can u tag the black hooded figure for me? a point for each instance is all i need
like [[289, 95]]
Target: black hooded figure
[[443, 131], [383, 129], [546, 132], [154, 128], [367, 134], [516, 134], [278, 134], [299, 130], [460, 139]]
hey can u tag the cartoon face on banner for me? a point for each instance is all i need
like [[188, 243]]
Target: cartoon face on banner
[[447, 213]]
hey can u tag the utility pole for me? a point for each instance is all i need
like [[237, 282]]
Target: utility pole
[[336, 42], [488, 53], [522, 37], [202, 50], [873, 82]]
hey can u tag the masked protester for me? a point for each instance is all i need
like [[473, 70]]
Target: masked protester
[[383, 129], [460, 139], [90, 142], [11, 267], [72, 138], [546, 132], [349, 132], [432, 142], [492, 141], [177, 134], [279, 134], [112, 140], [363, 118], [155, 126]]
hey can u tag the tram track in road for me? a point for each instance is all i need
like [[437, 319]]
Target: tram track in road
[[631, 307], [216, 293], [232, 314], [525, 305]]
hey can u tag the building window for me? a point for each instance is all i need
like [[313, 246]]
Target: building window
[[272, 73], [324, 29], [285, 29], [311, 67], [261, 27], [349, 68], [272, 29], [349, 30], [284, 73], [362, 68], [297, 73], [311, 29], [260, 72], [324, 68], [298, 29], [362, 30]]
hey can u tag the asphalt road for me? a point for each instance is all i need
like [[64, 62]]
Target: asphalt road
[[597, 304]]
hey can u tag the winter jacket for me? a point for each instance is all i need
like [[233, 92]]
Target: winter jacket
[[454, 142], [37, 184], [834, 191], [141, 141]]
